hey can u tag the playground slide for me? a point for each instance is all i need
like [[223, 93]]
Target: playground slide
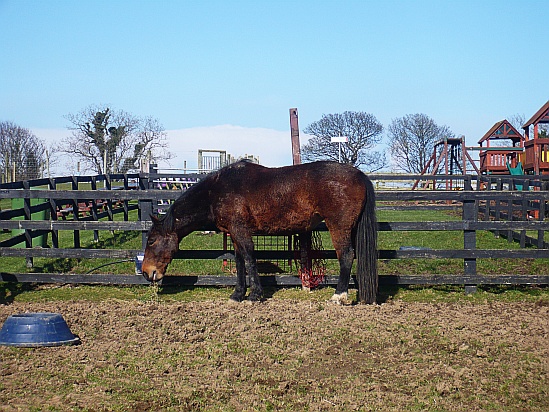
[[516, 171]]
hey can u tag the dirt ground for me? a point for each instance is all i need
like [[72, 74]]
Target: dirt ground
[[284, 355]]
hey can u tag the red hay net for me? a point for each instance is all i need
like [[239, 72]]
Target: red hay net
[[310, 267]]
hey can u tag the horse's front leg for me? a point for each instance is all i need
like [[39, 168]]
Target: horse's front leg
[[240, 289], [244, 247]]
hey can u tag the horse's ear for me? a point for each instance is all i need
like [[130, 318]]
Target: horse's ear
[[154, 219]]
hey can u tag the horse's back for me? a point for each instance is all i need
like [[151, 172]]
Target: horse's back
[[309, 176], [290, 198]]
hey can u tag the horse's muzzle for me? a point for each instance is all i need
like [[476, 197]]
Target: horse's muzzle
[[152, 274], [147, 276]]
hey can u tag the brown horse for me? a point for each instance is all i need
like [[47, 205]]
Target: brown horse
[[244, 198]]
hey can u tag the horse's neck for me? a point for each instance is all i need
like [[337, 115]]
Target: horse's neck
[[191, 212]]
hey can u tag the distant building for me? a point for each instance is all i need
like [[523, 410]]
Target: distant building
[[211, 160]]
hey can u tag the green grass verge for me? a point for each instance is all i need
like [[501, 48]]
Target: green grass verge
[[387, 240], [24, 292]]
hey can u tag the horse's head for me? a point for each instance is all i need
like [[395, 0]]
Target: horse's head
[[161, 247]]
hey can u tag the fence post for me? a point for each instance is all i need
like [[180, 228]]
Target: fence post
[[125, 203], [510, 211], [541, 217], [53, 209], [76, 213], [145, 206], [524, 212], [108, 186], [94, 209], [497, 206], [469, 238], [28, 237], [487, 202]]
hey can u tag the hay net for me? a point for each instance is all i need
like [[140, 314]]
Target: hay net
[[311, 267]]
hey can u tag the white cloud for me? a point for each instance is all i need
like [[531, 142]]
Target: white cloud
[[61, 163], [51, 135], [273, 147]]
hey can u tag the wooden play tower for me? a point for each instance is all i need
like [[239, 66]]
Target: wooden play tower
[[500, 150], [450, 157], [536, 149]]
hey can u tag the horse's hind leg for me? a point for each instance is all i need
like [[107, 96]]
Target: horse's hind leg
[[346, 257], [345, 254]]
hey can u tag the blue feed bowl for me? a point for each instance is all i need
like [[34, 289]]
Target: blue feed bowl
[[31, 330]]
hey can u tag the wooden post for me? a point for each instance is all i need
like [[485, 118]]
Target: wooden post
[[469, 241], [125, 203], [53, 211], [145, 206], [76, 233], [294, 128], [464, 155], [446, 164], [296, 157], [541, 215], [28, 236], [510, 208], [94, 209], [497, 206], [524, 213]]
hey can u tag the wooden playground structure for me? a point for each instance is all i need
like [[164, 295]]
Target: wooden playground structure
[[536, 150], [503, 150], [450, 157]]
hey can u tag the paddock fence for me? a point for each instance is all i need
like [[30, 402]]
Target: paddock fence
[[39, 209]]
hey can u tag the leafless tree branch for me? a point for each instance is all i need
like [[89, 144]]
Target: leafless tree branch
[[363, 131]]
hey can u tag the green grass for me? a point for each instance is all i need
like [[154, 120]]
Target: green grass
[[455, 294], [387, 241], [428, 346], [24, 292], [448, 240]]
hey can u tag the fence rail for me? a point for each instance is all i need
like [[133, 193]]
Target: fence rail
[[498, 209]]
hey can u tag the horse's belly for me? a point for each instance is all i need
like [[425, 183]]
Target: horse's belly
[[287, 225], [280, 216]]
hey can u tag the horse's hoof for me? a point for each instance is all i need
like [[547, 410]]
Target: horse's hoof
[[255, 297], [236, 298]]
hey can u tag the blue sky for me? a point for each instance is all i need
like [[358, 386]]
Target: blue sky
[[200, 65]]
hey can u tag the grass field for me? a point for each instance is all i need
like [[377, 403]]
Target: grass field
[[188, 349], [177, 349], [387, 241]]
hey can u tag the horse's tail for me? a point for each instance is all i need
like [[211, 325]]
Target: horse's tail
[[366, 248]]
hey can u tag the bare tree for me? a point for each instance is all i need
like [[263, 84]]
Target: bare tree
[[363, 132], [22, 154], [412, 139], [517, 120], [114, 141]]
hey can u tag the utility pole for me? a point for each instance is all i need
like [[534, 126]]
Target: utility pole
[[294, 128]]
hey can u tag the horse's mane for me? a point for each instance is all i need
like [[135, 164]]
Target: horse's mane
[[166, 224]]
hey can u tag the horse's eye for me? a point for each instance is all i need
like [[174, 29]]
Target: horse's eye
[[150, 242]]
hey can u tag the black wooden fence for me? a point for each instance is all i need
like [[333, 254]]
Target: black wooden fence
[[90, 204]]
